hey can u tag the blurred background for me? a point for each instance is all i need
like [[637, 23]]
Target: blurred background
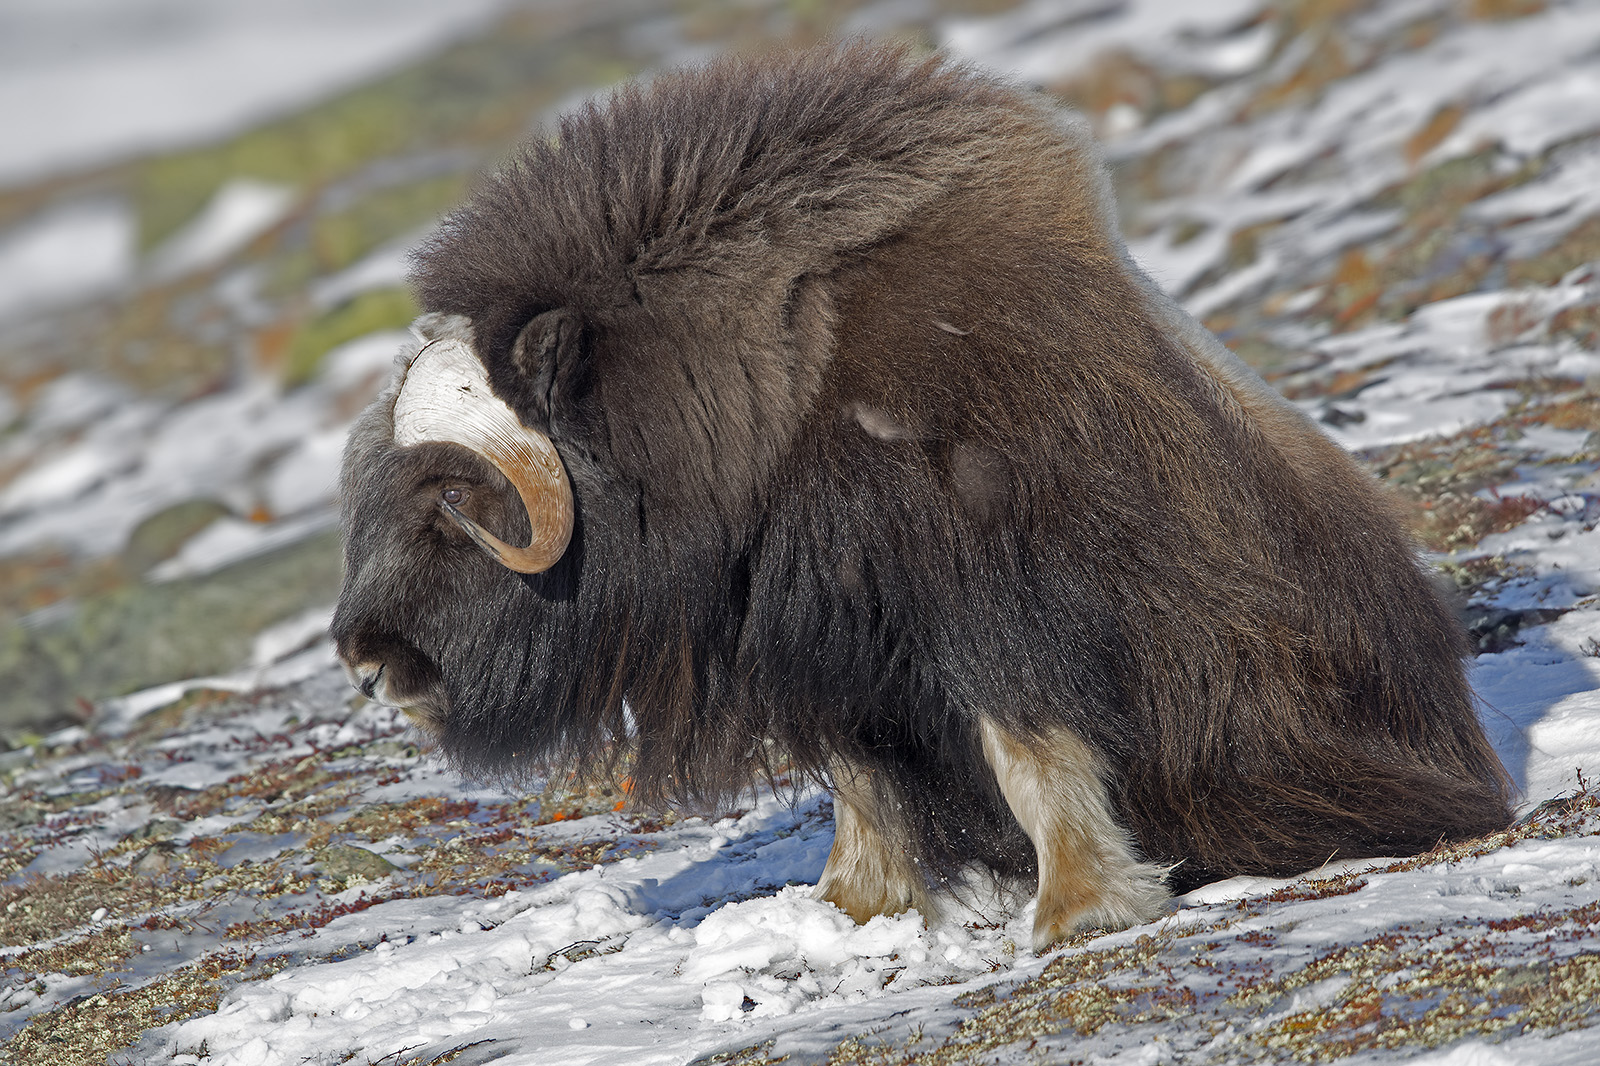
[[1391, 208]]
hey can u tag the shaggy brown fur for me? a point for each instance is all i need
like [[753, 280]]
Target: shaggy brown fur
[[878, 439]]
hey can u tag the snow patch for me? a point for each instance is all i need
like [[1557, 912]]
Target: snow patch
[[65, 255], [230, 540], [83, 81], [237, 213]]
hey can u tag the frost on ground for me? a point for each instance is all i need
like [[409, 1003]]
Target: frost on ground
[[1389, 208], [278, 876]]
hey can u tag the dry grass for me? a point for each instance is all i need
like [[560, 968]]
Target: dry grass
[[308, 813]]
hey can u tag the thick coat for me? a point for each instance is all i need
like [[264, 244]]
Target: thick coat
[[889, 467]]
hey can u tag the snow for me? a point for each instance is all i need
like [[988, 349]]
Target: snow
[[73, 252], [72, 401], [1532, 118], [386, 267], [1043, 38], [277, 642], [1529, 84], [229, 540], [239, 211], [659, 976], [308, 476], [126, 76], [1541, 704], [1176, 266], [1572, 183], [670, 968], [1522, 66], [125, 458], [1550, 205], [353, 365], [66, 475], [1437, 372], [264, 447]]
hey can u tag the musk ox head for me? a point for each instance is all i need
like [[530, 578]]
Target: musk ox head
[[808, 410]]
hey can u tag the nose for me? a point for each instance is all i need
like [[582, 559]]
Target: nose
[[365, 677]]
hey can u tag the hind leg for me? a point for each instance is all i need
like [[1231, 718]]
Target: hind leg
[[1089, 872], [871, 869]]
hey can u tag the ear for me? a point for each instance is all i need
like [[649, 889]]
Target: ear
[[548, 357]]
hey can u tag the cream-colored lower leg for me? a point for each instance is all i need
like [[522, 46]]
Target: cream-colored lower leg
[[1089, 873], [869, 870]]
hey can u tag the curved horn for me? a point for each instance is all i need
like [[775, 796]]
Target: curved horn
[[446, 397]]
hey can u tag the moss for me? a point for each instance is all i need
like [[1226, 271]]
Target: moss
[[1406, 991], [163, 340], [303, 817], [92, 954], [354, 223], [159, 536], [342, 865], [753, 1055], [338, 239], [137, 635], [1436, 254], [1080, 992], [367, 313], [477, 95], [170, 341], [1441, 480], [87, 1031]]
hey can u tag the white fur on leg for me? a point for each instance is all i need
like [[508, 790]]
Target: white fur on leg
[[866, 875], [1089, 874]]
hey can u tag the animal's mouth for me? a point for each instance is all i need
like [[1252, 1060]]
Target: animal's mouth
[[375, 681], [371, 680], [368, 685]]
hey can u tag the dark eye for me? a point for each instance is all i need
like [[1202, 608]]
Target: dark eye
[[453, 496]]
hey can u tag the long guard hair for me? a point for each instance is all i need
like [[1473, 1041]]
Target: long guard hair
[[882, 446]]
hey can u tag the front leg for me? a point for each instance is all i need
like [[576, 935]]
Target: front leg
[[1089, 873], [871, 869]]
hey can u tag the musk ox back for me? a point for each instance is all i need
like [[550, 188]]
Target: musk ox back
[[844, 436]]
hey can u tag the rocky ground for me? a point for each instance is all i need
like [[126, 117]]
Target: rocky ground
[[211, 851]]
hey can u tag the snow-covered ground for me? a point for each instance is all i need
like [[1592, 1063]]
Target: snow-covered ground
[[256, 869], [86, 81], [100, 460], [606, 939]]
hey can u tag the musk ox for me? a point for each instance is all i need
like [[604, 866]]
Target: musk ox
[[844, 437]]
